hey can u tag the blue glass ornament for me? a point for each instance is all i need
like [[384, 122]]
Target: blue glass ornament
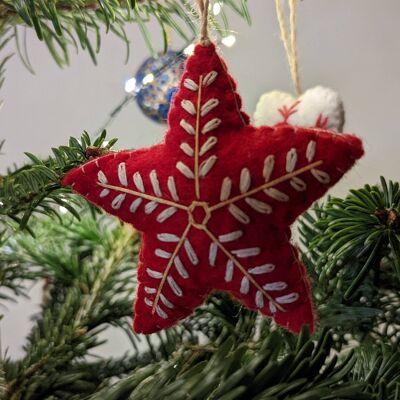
[[157, 80]]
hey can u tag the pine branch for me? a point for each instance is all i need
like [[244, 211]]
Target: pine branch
[[379, 368], [74, 314], [228, 369], [62, 25], [353, 254], [14, 274], [3, 387], [36, 187]]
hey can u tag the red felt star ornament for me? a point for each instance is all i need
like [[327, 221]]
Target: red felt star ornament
[[215, 202]]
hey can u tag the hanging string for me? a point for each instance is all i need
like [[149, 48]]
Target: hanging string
[[203, 10], [168, 35], [289, 40]]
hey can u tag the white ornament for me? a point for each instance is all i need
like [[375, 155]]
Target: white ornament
[[318, 107]]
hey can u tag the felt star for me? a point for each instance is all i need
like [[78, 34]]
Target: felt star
[[215, 202]]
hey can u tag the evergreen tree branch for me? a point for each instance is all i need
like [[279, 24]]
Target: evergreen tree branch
[[79, 23], [351, 250], [241, 370], [36, 187], [73, 315]]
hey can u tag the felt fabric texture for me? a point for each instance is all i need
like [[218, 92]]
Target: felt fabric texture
[[318, 107], [215, 200]]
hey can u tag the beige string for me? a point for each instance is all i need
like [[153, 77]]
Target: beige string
[[168, 35], [203, 9], [289, 40], [196, 140]]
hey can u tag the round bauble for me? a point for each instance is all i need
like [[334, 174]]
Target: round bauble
[[157, 80]]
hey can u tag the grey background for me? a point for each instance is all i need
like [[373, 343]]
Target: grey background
[[349, 45]]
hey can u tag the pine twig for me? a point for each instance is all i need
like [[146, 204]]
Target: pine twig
[[36, 187]]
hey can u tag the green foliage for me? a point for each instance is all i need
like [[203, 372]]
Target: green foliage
[[231, 369], [12, 273], [379, 368], [3, 386], [87, 268], [73, 24], [5, 36], [36, 187], [353, 256]]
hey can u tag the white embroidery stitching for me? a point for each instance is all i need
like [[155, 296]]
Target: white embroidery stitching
[[185, 170], [188, 106], [190, 84], [122, 174]]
